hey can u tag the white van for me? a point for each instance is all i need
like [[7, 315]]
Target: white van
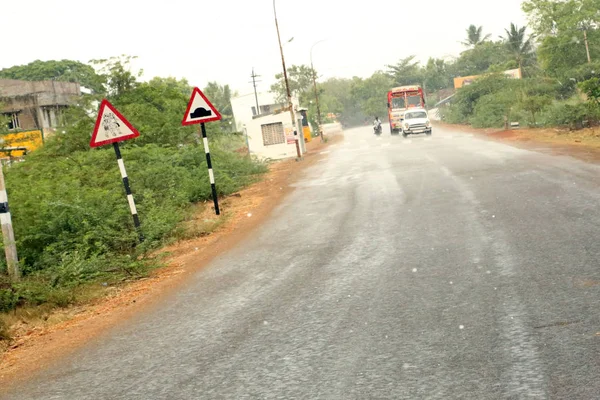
[[415, 121]]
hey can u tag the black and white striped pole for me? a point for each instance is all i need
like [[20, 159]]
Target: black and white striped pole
[[10, 247], [200, 110], [132, 208], [111, 128], [211, 174]]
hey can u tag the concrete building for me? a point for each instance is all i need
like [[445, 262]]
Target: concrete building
[[35, 105], [272, 136], [244, 107], [269, 135]]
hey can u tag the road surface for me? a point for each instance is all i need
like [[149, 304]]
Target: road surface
[[443, 267]]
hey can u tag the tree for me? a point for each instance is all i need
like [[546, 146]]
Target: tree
[[63, 70], [480, 59], [591, 88], [155, 109], [534, 105], [551, 17], [405, 72], [371, 93], [436, 75], [220, 97], [475, 36], [344, 103], [300, 78], [559, 54], [567, 30], [519, 45], [118, 75]]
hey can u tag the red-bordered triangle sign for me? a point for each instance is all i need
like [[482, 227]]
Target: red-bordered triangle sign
[[199, 110], [111, 126]]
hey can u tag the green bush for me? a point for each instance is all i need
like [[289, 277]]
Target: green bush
[[572, 115], [491, 111], [72, 220], [8, 299], [465, 101]]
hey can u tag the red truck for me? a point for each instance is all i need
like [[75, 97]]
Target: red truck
[[401, 99]]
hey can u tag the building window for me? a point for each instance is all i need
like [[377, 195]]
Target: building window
[[13, 121], [273, 134], [253, 111], [265, 109]]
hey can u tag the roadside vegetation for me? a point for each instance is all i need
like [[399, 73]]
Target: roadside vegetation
[[72, 223], [559, 88]]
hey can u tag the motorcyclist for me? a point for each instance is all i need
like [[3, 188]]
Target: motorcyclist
[[377, 124]]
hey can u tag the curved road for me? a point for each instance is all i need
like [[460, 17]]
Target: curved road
[[443, 267]]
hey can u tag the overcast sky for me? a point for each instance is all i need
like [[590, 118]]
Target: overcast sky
[[222, 40]]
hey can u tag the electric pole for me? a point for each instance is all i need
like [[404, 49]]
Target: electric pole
[[254, 76], [287, 88], [587, 46], [314, 79]]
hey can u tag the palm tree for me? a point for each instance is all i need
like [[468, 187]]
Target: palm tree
[[518, 44], [475, 36]]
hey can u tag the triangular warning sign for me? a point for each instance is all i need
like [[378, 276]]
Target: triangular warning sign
[[200, 109], [111, 126]]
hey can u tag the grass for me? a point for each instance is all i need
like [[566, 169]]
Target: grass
[[74, 233]]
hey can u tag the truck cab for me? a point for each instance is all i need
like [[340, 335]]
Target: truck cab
[[400, 100]]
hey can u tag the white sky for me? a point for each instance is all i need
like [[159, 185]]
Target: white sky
[[222, 40]]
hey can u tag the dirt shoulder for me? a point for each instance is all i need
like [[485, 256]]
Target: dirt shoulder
[[583, 144], [37, 345]]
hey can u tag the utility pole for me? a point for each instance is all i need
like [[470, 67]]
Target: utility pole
[[587, 46], [254, 76], [316, 92], [10, 247], [287, 87]]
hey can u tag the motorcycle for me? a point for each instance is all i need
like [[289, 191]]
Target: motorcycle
[[377, 129]]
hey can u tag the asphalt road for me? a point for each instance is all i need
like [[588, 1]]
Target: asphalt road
[[443, 267]]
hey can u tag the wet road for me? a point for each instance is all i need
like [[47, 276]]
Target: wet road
[[443, 267]]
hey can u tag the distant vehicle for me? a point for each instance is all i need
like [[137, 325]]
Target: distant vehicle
[[416, 121], [377, 129], [401, 99]]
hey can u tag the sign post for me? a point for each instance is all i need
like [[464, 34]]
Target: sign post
[[199, 111], [10, 248], [112, 128]]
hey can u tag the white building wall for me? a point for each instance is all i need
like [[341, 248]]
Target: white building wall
[[242, 107], [256, 146]]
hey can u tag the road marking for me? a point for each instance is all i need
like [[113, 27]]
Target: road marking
[[427, 139], [407, 141], [386, 144], [325, 152]]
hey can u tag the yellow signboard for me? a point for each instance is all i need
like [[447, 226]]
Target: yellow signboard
[[467, 80], [20, 143]]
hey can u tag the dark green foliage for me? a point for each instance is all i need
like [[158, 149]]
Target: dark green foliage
[[574, 116], [591, 88], [63, 70], [74, 226], [71, 218]]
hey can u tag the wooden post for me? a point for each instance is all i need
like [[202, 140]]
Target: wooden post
[[10, 247]]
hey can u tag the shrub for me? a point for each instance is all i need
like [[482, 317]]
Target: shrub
[[72, 221], [571, 115]]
